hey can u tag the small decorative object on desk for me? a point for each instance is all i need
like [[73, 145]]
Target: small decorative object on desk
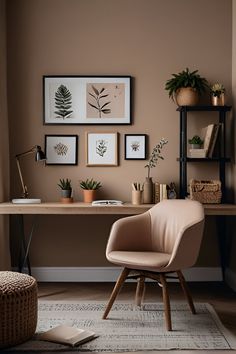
[[137, 193], [148, 189], [218, 94], [171, 192], [208, 192], [66, 190], [90, 187]]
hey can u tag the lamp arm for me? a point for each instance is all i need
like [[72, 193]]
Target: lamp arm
[[25, 192], [26, 152]]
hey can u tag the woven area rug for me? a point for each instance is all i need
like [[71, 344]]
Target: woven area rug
[[130, 328]]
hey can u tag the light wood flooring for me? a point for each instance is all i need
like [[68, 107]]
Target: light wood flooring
[[221, 297]]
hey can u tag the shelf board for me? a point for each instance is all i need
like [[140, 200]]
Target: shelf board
[[203, 159], [204, 108]]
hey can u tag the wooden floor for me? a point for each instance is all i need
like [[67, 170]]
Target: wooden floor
[[219, 295]]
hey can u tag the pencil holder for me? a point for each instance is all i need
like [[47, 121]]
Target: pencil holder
[[137, 197]]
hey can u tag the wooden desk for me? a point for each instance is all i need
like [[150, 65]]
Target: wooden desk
[[78, 208]]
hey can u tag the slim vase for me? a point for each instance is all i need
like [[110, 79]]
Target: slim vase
[[148, 191]]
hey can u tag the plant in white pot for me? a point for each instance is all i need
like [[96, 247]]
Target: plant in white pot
[[66, 190], [186, 87], [195, 142], [90, 187], [152, 162]]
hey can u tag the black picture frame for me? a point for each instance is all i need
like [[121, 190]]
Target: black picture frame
[[61, 149], [86, 100], [135, 146]]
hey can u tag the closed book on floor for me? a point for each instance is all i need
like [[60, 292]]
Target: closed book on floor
[[67, 335]]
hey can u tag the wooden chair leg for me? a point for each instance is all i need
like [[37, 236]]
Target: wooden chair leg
[[166, 301], [186, 291], [115, 291], [140, 291]]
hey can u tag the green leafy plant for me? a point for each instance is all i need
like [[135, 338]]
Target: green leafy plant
[[155, 155], [65, 184], [99, 106], [217, 89], [63, 102], [186, 78], [90, 184], [196, 140]]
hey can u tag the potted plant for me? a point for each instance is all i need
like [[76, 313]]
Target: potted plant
[[217, 94], [90, 187], [152, 162], [195, 142], [66, 190], [186, 87]]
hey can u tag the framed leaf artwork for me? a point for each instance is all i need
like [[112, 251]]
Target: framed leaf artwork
[[61, 149], [135, 146], [87, 100], [102, 149]]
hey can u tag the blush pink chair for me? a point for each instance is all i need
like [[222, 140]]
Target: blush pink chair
[[163, 240]]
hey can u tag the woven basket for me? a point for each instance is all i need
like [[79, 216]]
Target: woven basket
[[208, 192], [18, 308]]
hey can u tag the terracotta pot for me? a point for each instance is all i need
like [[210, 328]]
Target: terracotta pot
[[186, 96], [218, 100], [89, 195]]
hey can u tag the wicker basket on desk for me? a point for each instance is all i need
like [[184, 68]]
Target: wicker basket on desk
[[206, 192]]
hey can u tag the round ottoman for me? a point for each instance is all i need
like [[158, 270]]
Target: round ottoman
[[18, 308]]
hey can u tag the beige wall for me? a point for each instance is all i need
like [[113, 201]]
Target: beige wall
[[147, 39]]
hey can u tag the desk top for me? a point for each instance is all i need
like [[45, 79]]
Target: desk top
[[79, 208]]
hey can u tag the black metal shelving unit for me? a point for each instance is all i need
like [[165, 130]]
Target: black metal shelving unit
[[184, 159]]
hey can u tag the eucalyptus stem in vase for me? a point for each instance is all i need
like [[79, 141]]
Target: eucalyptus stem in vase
[[152, 162]]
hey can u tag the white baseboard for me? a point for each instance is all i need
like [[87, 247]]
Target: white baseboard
[[230, 278], [110, 274]]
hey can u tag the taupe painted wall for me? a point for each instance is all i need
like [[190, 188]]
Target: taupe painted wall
[[147, 39]]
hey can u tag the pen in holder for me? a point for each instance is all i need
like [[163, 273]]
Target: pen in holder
[[137, 194]]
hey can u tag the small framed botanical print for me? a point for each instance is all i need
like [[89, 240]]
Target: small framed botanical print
[[135, 146], [61, 149], [101, 149]]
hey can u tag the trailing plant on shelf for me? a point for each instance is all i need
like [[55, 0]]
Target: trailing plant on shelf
[[192, 81], [155, 155], [90, 184]]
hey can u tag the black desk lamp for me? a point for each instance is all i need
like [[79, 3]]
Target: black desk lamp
[[39, 156]]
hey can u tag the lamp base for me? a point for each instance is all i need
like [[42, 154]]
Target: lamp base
[[26, 201]]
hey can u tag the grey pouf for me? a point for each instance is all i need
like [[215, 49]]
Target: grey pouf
[[18, 308]]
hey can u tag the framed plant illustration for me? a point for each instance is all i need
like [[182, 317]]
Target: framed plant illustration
[[87, 99], [135, 146], [61, 149], [101, 149]]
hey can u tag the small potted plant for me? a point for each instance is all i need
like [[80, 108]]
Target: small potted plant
[[217, 94], [195, 142], [186, 87], [152, 162], [90, 187], [66, 190]]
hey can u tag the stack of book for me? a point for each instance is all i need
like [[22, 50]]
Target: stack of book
[[210, 134], [160, 192]]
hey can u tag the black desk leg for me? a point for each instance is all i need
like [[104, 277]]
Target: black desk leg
[[221, 225], [25, 244]]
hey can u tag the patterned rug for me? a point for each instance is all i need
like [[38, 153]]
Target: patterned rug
[[130, 328]]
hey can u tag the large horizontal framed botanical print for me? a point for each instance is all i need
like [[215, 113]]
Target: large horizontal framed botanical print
[[61, 149], [101, 149], [87, 99]]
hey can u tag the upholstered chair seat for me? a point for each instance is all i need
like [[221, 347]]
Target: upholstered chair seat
[[163, 240]]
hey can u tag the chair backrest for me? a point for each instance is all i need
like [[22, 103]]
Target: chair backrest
[[177, 229]]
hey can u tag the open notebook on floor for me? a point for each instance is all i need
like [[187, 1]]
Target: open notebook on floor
[[67, 335]]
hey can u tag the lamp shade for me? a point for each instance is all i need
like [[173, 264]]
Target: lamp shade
[[40, 155]]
